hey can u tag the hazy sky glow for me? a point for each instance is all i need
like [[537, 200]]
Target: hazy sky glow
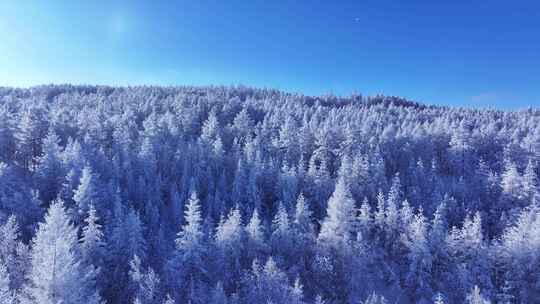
[[478, 53]]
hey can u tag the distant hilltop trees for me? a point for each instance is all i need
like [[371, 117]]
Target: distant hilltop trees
[[240, 195]]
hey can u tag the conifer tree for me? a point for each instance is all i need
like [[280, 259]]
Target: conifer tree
[[50, 168], [57, 276], [281, 234], [168, 299], [30, 131], [87, 193], [530, 182], [418, 276], [511, 183], [303, 216], [375, 299], [475, 297], [187, 262], [6, 295], [92, 239], [7, 138], [125, 241], [218, 295], [439, 299], [145, 284], [256, 245], [13, 252], [337, 227]]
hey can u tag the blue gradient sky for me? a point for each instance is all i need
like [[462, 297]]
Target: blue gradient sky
[[475, 53]]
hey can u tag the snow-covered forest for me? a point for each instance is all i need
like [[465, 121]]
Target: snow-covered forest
[[239, 195]]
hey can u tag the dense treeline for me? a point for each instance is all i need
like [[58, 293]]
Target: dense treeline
[[240, 195]]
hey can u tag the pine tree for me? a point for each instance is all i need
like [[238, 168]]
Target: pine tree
[[177, 207], [146, 284], [335, 258], [30, 131], [319, 300], [126, 240], [380, 213], [50, 168], [169, 300], [439, 299], [229, 233], [405, 214], [395, 193], [253, 193], [391, 211], [254, 228], [87, 192], [467, 247], [57, 275], [460, 147], [6, 295], [187, 263], [269, 283], [240, 185], [319, 174], [287, 185], [337, 227], [210, 128], [505, 296], [229, 240], [303, 216], [420, 260], [365, 221], [530, 182], [10, 247], [7, 138], [134, 235], [297, 292], [287, 140], [256, 245], [475, 297], [218, 295], [346, 169], [511, 182], [375, 299], [438, 225], [92, 239], [189, 238], [520, 251], [437, 236], [281, 234], [242, 124]]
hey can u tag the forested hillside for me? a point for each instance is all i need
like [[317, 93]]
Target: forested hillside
[[239, 195]]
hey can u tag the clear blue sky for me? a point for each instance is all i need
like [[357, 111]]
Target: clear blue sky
[[478, 53]]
